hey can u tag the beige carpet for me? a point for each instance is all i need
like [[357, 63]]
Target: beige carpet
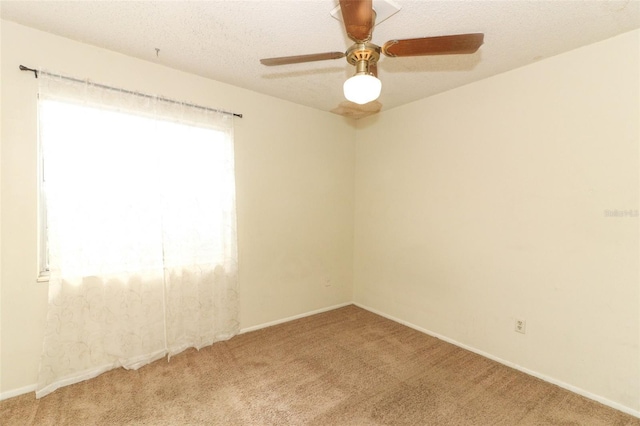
[[344, 367]]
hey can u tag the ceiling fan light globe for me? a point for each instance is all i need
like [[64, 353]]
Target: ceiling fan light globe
[[362, 88]]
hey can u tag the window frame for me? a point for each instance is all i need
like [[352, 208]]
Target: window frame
[[43, 248]]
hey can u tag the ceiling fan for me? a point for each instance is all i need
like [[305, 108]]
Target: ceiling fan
[[359, 19]]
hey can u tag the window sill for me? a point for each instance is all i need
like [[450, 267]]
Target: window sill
[[43, 277]]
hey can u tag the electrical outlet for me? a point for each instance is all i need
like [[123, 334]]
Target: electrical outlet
[[521, 326]]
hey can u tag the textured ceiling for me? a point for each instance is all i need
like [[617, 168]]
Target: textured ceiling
[[224, 40]]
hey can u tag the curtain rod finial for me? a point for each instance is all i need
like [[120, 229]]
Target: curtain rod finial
[[23, 68]]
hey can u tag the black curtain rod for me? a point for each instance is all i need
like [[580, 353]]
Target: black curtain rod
[[103, 86]]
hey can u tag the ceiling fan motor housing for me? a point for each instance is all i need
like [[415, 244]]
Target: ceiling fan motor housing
[[362, 55]]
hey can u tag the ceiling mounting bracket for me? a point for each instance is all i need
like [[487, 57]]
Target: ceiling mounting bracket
[[384, 9]]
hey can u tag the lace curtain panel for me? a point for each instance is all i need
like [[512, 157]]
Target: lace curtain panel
[[139, 195]]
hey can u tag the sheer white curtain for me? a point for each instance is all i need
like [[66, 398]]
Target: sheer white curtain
[[141, 233]]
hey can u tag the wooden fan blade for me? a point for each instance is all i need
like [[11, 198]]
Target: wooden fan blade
[[443, 45], [358, 17], [284, 60]]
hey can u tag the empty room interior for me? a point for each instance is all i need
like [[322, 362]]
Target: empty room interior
[[478, 220]]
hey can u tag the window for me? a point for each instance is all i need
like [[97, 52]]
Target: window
[[122, 182]]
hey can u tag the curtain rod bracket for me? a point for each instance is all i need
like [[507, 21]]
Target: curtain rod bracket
[[23, 68]]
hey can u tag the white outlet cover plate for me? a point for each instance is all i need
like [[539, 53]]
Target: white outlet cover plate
[[384, 10]]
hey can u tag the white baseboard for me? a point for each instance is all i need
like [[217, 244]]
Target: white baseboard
[[18, 392], [295, 317], [525, 370], [32, 388]]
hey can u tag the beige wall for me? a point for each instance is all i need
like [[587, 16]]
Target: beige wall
[[487, 203], [294, 169], [0, 213]]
